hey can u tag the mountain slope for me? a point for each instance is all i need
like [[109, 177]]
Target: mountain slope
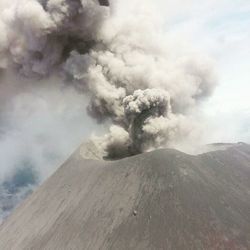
[[159, 200]]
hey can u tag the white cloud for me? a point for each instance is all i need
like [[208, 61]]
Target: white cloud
[[221, 29]]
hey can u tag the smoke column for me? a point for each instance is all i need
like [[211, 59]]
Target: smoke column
[[134, 78]]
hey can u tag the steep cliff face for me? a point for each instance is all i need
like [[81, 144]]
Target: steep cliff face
[[159, 200]]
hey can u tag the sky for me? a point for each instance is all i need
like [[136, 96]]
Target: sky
[[219, 29]]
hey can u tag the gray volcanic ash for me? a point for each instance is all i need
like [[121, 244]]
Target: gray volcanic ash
[[133, 77]]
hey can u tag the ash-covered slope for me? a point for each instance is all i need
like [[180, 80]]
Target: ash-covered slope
[[159, 200]]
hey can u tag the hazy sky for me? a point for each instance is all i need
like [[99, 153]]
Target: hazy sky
[[220, 29]]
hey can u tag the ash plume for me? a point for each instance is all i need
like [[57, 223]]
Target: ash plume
[[135, 79]]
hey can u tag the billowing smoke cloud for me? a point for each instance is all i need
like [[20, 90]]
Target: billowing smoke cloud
[[135, 78]]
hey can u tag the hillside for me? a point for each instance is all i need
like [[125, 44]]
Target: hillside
[[159, 200]]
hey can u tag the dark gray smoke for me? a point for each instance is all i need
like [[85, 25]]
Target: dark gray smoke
[[134, 78]]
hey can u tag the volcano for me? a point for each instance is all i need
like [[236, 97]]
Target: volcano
[[163, 199]]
